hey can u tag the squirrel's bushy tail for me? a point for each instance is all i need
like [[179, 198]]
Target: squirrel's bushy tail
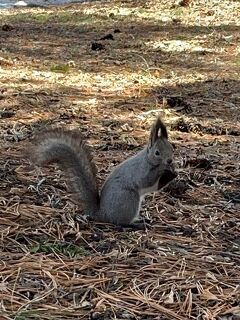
[[68, 150]]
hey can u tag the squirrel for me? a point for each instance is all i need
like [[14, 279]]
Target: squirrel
[[120, 199]]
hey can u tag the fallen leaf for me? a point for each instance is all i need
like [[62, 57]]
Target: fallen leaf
[[207, 295]]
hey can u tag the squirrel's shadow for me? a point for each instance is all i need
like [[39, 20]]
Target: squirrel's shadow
[[85, 222]]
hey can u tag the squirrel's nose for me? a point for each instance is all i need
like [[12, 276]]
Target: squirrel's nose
[[169, 161]]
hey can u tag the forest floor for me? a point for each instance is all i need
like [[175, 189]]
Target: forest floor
[[159, 58]]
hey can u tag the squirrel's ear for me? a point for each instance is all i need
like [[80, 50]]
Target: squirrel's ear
[[158, 131]]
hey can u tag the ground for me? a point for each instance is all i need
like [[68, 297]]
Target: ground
[[177, 60]]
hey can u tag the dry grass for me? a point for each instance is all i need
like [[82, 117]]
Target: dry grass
[[180, 61]]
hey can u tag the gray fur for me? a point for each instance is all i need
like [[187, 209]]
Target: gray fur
[[124, 189], [68, 150]]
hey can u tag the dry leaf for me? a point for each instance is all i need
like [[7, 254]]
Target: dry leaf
[[207, 295], [170, 298]]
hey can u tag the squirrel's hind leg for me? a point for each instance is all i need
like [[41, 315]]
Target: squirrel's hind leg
[[122, 209]]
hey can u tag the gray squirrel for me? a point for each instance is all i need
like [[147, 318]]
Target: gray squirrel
[[120, 199]]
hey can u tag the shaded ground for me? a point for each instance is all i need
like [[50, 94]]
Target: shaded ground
[[180, 61]]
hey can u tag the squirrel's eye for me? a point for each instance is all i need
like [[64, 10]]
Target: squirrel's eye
[[157, 153]]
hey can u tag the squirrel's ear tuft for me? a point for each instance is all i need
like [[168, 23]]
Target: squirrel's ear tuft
[[158, 131]]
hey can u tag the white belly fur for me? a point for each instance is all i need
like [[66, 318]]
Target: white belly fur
[[144, 192], [148, 190]]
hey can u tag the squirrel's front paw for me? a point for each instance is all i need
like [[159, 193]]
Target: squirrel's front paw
[[166, 177]]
